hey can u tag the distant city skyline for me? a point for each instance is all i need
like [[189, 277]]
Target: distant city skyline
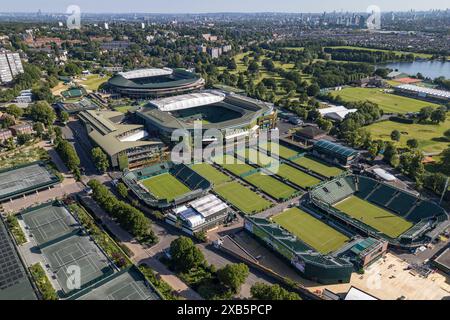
[[215, 6]]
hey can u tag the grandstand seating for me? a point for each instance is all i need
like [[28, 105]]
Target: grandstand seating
[[416, 230], [382, 195], [189, 177], [365, 186], [402, 203], [424, 210], [336, 191]]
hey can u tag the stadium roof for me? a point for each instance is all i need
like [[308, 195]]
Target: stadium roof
[[146, 73], [187, 101], [208, 205], [178, 78], [110, 135], [335, 148], [250, 109], [423, 90]]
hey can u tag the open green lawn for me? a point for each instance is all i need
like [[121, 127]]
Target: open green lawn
[[210, 173], [374, 216], [310, 230], [430, 136], [296, 176], [316, 166], [390, 103], [165, 186], [273, 187], [242, 198], [93, 81], [233, 165], [280, 150]]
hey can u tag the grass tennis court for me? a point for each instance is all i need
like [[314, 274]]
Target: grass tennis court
[[242, 198], [233, 165], [165, 186], [386, 101], [210, 173], [318, 167], [276, 189], [296, 176], [375, 217], [259, 158], [282, 151], [310, 230]]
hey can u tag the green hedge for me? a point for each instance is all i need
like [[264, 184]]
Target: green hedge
[[16, 230], [109, 246], [43, 284]]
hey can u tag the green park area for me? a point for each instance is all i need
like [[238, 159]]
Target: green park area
[[388, 102], [430, 136]]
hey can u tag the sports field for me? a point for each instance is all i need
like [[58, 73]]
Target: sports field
[[210, 173], [321, 168], [233, 165], [165, 186], [259, 158], [388, 102], [430, 136], [297, 177], [242, 198], [276, 189], [280, 150], [374, 216], [310, 230]]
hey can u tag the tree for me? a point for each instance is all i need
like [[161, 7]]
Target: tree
[[122, 189], [68, 154], [425, 114], [395, 135], [130, 218], [100, 159], [447, 134], [313, 90], [445, 161], [38, 127], [14, 111], [439, 115], [42, 112], [262, 291], [64, 116], [233, 275], [185, 255], [253, 67], [24, 138], [413, 143]]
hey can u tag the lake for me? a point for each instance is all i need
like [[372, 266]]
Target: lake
[[429, 69]]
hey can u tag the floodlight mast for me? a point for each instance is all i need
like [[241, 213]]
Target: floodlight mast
[[445, 190]]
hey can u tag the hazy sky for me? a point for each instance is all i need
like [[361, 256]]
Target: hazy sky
[[200, 6]]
